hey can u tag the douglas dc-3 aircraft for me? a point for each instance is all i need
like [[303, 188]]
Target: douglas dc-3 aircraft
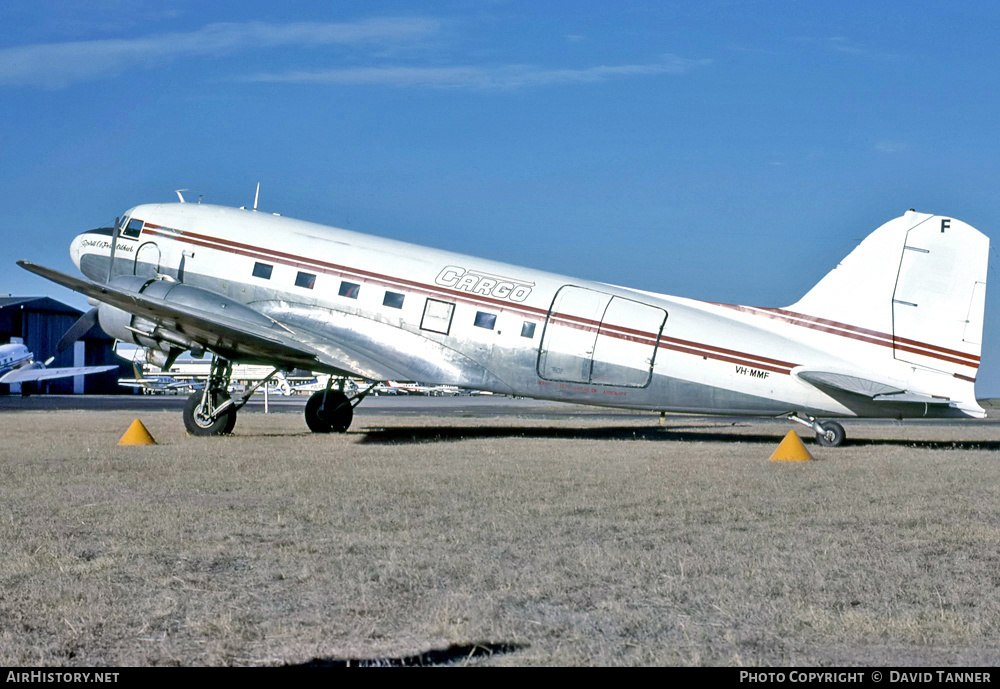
[[893, 331]]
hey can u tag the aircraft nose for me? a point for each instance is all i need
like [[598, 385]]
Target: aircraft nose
[[88, 244], [75, 249], [77, 245]]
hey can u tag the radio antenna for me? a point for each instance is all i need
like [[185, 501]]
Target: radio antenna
[[256, 196]]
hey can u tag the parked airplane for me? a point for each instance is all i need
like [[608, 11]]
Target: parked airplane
[[189, 373], [406, 388], [18, 365], [895, 330]]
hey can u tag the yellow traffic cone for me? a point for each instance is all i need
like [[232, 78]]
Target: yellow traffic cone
[[137, 435], [791, 449]]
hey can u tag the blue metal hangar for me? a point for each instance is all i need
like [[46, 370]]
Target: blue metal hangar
[[39, 323]]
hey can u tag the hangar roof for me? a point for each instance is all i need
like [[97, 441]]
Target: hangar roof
[[46, 304]]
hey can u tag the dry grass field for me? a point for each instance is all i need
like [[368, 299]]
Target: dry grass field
[[490, 541]]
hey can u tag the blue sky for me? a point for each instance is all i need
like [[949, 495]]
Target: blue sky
[[728, 151]]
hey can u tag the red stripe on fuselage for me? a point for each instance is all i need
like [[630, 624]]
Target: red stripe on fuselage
[[607, 329], [862, 334]]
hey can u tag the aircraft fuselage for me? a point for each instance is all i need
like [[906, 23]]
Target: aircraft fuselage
[[449, 319]]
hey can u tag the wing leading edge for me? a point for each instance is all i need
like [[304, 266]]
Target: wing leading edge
[[247, 335]]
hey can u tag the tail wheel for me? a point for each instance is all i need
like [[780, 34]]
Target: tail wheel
[[202, 420], [329, 412], [831, 435]]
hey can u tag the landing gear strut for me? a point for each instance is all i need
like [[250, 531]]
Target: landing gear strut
[[331, 411], [828, 433], [212, 411]]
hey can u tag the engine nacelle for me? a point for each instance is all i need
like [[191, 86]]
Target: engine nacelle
[[123, 326], [147, 333]]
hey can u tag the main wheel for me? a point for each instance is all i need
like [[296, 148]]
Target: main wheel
[[333, 417], [832, 435], [197, 423]]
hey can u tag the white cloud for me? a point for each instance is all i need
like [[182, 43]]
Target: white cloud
[[888, 146], [56, 65], [487, 78], [844, 46]]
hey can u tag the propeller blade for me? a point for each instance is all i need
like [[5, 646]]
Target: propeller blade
[[78, 329], [114, 242]]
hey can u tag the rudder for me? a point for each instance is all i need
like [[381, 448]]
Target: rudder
[[940, 296]]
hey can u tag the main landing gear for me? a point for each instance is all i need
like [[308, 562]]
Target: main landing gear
[[828, 433], [331, 411], [212, 411]]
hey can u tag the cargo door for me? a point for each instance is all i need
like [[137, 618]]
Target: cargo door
[[592, 337], [567, 348], [626, 344]]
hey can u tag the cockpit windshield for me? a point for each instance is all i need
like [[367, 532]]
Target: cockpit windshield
[[130, 227]]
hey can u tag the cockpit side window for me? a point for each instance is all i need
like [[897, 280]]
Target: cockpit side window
[[131, 229]]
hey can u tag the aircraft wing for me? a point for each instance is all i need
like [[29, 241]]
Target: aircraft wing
[[29, 374], [248, 336]]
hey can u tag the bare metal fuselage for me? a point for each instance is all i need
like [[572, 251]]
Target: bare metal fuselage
[[447, 319]]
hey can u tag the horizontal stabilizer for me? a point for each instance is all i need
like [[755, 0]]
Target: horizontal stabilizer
[[848, 383], [873, 389]]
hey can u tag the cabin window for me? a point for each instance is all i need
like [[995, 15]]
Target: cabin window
[[393, 300], [349, 290], [307, 280], [132, 229], [485, 320], [262, 270], [528, 329], [437, 316]]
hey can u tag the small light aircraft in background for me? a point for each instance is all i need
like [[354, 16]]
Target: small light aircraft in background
[[188, 373], [18, 365], [406, 388], [894, 331]]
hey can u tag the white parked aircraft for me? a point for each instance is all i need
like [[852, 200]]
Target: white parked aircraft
[[406, 388], [189, 373], [895, 330], [18, 365]]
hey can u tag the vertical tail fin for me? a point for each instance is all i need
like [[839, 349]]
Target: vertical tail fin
[[916, 286]]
